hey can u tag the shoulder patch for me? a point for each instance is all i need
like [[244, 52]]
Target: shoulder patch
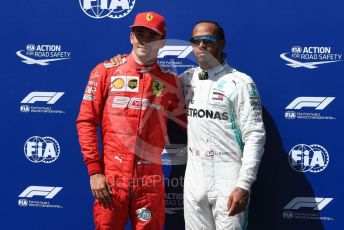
[[109, 65]]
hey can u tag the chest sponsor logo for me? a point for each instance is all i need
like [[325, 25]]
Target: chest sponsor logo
[[205, 113], [134, 103], [124, 84], [118, 83], [132, 83]]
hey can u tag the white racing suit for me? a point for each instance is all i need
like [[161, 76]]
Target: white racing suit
[[226, 139]]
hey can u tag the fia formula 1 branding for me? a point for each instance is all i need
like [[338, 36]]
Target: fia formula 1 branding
[[42, 54], [309, 108], [177, 56], [314, 203], [39, 197], [41, 102], [306, 208], [114, 9], [310, 57]]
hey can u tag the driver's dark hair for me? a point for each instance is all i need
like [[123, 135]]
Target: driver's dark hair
[[220, 32]]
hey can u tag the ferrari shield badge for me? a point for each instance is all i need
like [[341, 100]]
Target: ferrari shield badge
[[157, 87]]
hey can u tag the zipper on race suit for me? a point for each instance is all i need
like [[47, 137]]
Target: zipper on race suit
[[131, 191]]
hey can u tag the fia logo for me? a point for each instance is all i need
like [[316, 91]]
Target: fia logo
[[41, 149], [308, 158], [107, 8], [290, 115]]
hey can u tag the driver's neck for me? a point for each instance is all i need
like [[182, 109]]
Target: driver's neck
[[143, 61]]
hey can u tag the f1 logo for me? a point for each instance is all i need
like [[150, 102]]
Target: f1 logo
[[45, 191], [49, 97], [179, 51], [317, 203], [319, 103]]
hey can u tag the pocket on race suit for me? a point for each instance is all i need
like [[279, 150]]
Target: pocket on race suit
[[226, 176]]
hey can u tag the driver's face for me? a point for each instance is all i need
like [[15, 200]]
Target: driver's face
[[206, 51], [146, 43]]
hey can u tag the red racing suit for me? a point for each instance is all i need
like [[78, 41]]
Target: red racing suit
[[131, 103]]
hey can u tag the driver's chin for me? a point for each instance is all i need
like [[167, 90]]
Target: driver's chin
[[142, 52], [204, 58]]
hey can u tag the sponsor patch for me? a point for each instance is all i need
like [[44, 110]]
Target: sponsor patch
[[125, 83], [88, 97], [143, 214], [132, 83], [95, 75], [118, 83], [109, 65], [90, 90], [218, 96]]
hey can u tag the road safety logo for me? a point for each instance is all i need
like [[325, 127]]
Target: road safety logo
[[42, 54], [310, 56]]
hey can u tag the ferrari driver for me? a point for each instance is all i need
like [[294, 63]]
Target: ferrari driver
[[131, 104]]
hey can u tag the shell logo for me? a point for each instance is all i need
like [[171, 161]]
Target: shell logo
[[118, 83]]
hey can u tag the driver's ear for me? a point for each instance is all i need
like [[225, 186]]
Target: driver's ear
[[222, 43], [131, 37], [162, 43]]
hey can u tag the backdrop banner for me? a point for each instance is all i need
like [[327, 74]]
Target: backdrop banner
[[292, 49]]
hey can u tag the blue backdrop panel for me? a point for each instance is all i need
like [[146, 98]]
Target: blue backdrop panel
[[293, 50]]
